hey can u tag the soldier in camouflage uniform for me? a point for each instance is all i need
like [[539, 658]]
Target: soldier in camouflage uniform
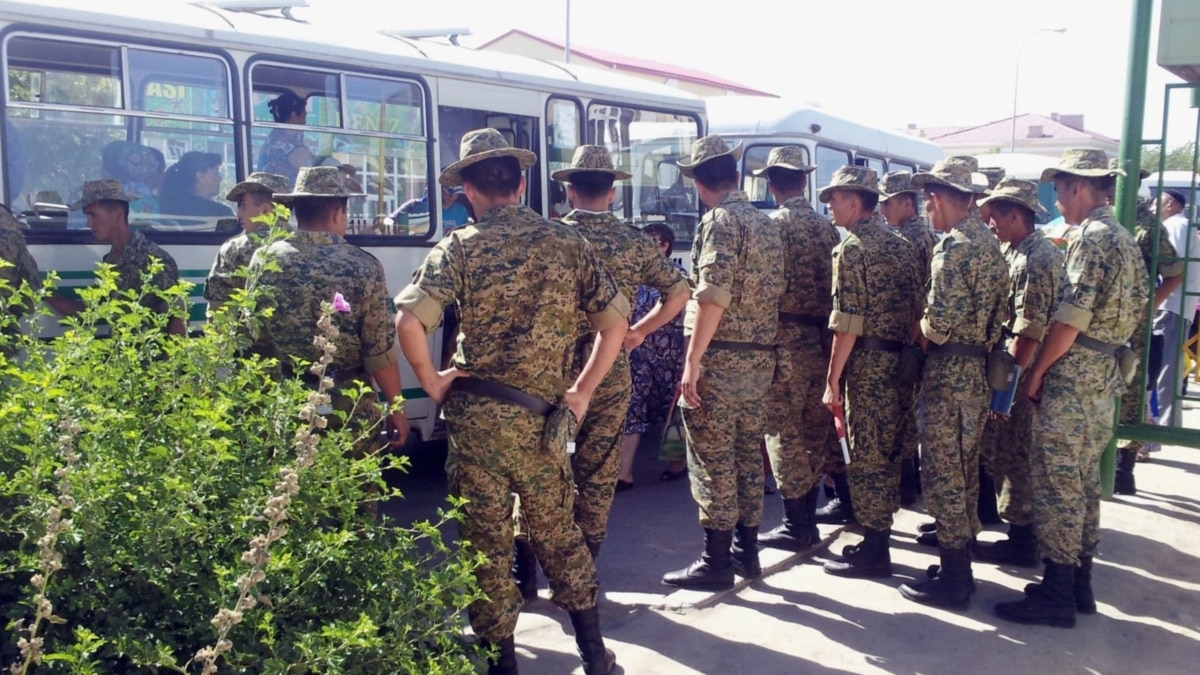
[[1035, 270], [994, 175], [733, 321], [520, 283], [964, 313], [314, 263], [106, 206], [254, 199], [1073, 383], [1170, 268], [876, 303], [804, 427], [16, 267], [898, 205]]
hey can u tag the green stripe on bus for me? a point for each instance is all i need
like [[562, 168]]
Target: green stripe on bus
[[411, 394]]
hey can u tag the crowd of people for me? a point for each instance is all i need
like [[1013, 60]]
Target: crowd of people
[[569, 348]]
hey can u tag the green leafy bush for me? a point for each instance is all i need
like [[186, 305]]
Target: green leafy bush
[[135, 474]]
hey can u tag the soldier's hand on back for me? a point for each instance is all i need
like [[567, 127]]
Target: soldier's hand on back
[[577, 402], [633, 340], [687, 384], [397, 428], [1033, 387], [440, 386]]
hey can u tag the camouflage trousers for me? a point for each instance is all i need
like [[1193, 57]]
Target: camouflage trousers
[[1004, 452], [955, 397], [724, 436], [797, 451], [908, 436], [874, 412], [1131, 396], [1071, 428], [494, 453]]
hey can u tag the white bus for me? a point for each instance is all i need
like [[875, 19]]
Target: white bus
[[829, 142], [91, 93]]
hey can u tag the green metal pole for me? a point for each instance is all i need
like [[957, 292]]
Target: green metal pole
[[1131, 160]]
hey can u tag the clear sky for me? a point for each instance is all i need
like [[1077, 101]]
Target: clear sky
[[887, 63]]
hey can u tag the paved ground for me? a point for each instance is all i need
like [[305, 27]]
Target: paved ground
[[797, 619]]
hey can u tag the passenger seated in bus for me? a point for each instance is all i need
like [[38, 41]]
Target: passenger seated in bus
[[190, 185], [455, 209], [140, 170], [284, 152]]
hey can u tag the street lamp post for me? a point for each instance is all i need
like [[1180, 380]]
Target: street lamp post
[[1012, 146]]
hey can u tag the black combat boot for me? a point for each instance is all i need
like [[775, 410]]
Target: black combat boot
[[1124, 483], [797, 533], [597, 659], [950, 586], [872, 559], [908, 482], [593, 548], [1050, 603], [524, 569], [986, 508], [744, 552], [505, 660], [1085, 601], [1019, 550], [714, 569], [839, 510], [928, 537]]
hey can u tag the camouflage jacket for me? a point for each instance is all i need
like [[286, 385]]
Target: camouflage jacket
[[21, 265], [808, 243], [628, 254], [1035, 270], [313, 266], [1104, 290], [737, 264], [1169, 264], [223, 278], [968, 287], [917, 232], [518, 281], [135, 260], [876, 287]]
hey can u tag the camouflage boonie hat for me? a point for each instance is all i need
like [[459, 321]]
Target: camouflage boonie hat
[[1022, 192], [894, 183], [590, 158], [102, 191], [317, 181], [994, 175], [785, 157], [259, 181], [479, 145], [850, 177], [1115, 163], [1087, 162], [979, 180], [953, 174], [707, 149]]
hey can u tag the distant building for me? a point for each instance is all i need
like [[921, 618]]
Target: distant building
[[699, 83], [1036, 134]]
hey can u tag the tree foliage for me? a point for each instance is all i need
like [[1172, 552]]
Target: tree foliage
[[1180, 158]]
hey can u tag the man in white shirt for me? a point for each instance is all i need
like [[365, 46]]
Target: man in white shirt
[[1169, 322]]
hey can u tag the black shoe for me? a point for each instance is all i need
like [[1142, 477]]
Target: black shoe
[[524, 569], [744, 552], [713, 570], [505, 660], [1050, 603], [927, 527], [986, 507], [797, 533], [950, 587], [1085, 601], [929, 538], [908, 482], [1019, 550], [597, 659], [871, 559], [839, 510], [1123, 483]]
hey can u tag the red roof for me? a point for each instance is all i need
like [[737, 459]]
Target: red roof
[[1001, 131], [622, 62]]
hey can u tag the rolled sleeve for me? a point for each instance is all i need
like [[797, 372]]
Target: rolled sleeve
[[932, 334], [423, 306], [681, 287], [843, 322], [1074, 316], [1170, 270], [1030, 329], [706, 292], [436, 284], [377, 362], [616, 312]]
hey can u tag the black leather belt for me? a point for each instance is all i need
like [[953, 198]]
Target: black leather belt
[[740, 346], [878, 344], [959, 349], [502, 392], [803, 320], [1096, 345]]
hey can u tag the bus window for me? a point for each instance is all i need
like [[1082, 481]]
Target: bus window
[[373, 128], [519, 130], [893, 165], [562, 137], [648, 144], [875, 164], [68, 100], [754, 159], [829, 160]]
